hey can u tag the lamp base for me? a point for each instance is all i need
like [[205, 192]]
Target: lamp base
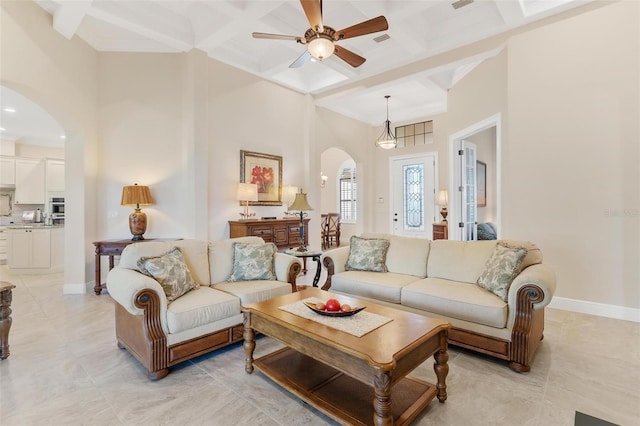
[[444, 214], [137, 224]]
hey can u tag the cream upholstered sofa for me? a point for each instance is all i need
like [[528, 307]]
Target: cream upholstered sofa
[[439, 278], [161, 333]]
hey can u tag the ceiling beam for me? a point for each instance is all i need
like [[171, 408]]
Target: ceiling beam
[[68, 16]]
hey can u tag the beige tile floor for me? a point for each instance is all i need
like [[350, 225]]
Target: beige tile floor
[[65, 369]]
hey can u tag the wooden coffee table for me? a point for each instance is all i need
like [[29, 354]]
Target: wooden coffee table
[[356, 380]]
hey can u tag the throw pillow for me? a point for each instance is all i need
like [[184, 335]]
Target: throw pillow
[[253, 262], [367, 255], [501, 268], [171, 272]]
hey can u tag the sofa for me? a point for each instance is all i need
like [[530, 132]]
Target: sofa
[[176, 300], [441, 278]]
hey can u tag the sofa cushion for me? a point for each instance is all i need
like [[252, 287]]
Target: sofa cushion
[[254, 291], [458, 260], [501, 268], [367, 254], [456, 299], [201, 306], [171, 272], [386, 286], [253, 262], [221, 256], [195, 253], [406, 255]]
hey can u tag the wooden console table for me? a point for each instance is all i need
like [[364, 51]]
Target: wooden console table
[[441, 231], [284, 233], [113, 248], [5, 317]]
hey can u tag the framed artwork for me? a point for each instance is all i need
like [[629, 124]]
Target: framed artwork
[[481, 183], [265, 171]]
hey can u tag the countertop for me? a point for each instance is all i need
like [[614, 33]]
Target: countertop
[[30, 226]]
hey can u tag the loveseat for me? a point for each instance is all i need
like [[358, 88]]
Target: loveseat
[[162, 327], [503, 316]]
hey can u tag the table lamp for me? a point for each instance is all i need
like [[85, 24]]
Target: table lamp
[[247, 192], [443, 201], [288, 195], [301, 205], [137, 195]]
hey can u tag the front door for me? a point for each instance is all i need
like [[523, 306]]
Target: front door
[[413, 191]]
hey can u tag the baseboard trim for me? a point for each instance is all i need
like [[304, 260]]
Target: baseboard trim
[[593, 308], [80, 288]]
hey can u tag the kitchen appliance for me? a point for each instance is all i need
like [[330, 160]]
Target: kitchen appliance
[[56, 208], [28, 215]]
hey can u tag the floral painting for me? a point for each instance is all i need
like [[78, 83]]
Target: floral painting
[[265, 171]]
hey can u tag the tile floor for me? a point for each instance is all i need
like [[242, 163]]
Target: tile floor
[[65, 369]]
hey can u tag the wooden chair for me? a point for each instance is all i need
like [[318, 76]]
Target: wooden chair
[[332, 230], [324, 228]]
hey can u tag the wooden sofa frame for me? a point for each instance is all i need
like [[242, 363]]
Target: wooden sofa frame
[[526, 335], [142, 335]]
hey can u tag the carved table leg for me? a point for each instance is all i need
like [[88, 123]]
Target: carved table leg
[[441, 367], [5, 317], [249, 342], [382, 398], [97, 287], [316, 278]]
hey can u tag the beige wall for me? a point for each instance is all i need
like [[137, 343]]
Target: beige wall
[[60, 76]]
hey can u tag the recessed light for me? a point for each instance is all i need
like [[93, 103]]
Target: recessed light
[[63, 136], [9, 109], [2, 129]]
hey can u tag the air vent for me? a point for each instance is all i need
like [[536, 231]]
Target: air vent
[[461, 3], [381, 38]]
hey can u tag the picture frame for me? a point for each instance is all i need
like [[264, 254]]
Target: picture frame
[[265, 170], [481, 183]]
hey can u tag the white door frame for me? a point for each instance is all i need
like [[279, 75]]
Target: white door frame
[[454, 164], [432, 154]]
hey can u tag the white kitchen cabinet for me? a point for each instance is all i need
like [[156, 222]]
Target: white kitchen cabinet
[[30, 177], [29, 248], [3, 246], [55, 175], [7, 171]]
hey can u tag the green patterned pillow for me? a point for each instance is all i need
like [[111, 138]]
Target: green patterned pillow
[[253, 262], [367, 255], [170, 271], [501, 268]]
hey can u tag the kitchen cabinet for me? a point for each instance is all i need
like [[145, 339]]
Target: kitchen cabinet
[[3, 246], [7, 171], [55, 175], [30, 177], [29, 248]]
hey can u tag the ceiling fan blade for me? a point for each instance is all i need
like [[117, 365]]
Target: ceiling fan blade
[[313, 10], [302, 59], [276, 36], [349, 57], [367, 27]]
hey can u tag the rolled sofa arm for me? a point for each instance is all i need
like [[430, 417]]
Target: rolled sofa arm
[[287, 269], [124, 285], [335, 261], [530, 291]]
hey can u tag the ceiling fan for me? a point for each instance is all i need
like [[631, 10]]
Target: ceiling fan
[[320, 39]]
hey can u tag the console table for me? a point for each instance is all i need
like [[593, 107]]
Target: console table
[[284, 233], [113, 248], [441, 231]]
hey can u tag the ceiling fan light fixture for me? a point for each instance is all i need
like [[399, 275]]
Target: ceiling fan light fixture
[[321, 47], [387, 140]]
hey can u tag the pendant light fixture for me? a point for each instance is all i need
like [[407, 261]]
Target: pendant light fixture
[[387, 140]]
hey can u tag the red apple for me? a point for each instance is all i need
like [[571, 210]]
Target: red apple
[[332, 305]]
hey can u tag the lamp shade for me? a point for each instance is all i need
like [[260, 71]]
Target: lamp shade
[[247, 192], [443, 198], [289, 194], [300, 203], [135, 195], [321, 47]]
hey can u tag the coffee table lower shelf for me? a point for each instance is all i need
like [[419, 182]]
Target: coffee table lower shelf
[[339, 396]]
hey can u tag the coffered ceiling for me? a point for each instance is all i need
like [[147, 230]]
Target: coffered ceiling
[[418, 29]]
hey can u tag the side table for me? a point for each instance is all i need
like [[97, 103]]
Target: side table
[[113, 248], [5, 317], [314, 255]]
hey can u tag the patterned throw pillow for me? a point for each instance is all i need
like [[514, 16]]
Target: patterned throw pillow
[[170, 271], [501, 268], [253, 262], [367, 255]]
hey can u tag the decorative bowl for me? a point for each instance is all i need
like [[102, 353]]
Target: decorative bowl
[[324, 312]]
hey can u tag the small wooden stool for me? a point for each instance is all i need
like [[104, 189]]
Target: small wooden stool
[[5, 317]]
